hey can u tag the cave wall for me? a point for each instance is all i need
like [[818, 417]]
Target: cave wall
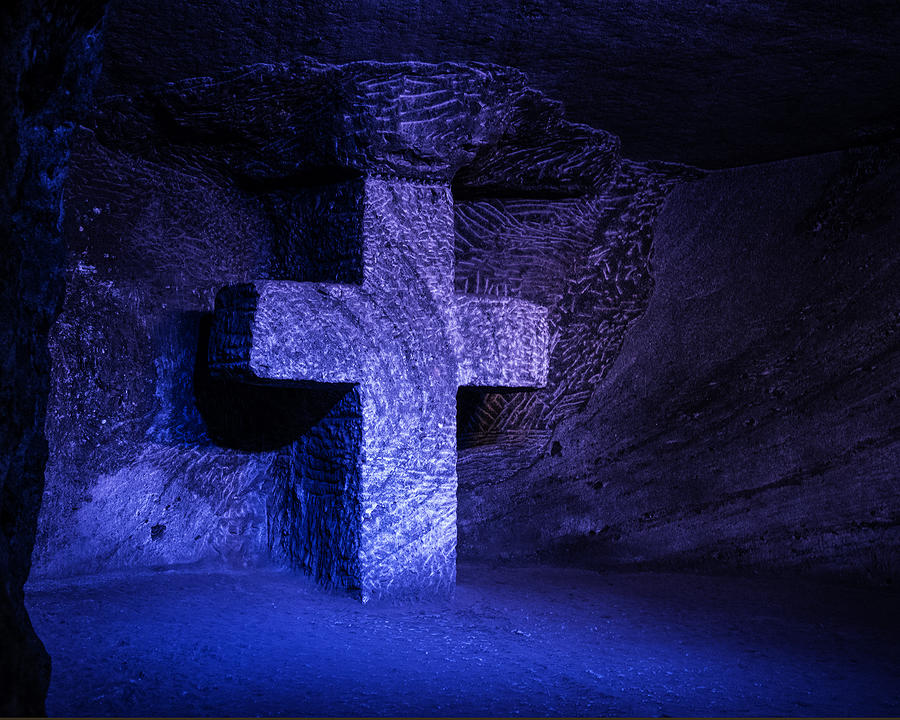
[[49, 62], [712, 84], [725, 386], [721, 395], [152, 461], [155, 463], [751, 418]]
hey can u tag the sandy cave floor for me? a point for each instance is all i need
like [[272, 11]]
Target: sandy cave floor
[[512, 641]]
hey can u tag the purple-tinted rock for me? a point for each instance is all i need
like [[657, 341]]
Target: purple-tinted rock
[[158, 227], [750, 418], [209, 458], [304, 121], [715, 84]]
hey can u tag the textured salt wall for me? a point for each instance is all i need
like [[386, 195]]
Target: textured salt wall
[[153, 461], [165, 463], [713, 84], [586, 258], [751, 417], [588, 261], [49, 60], [157, 462], [315, 517]]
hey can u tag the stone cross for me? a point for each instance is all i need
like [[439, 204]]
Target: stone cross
[[368, 152], [407, 341]]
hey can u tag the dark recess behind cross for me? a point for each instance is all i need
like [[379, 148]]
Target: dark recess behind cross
[[715, 84]]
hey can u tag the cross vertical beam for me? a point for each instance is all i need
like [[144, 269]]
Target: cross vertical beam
[[408, 400]]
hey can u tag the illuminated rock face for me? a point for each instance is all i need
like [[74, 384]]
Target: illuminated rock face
[[375, 496], [354, 164], [268, 173], [342, 177]]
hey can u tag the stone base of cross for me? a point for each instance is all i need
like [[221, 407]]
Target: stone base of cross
[[386, 523]]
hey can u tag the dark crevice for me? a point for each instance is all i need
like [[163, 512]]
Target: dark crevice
[[258, 417]]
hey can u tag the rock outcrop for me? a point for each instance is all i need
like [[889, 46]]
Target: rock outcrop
[[48, 65], [749, 420], [267, 172]]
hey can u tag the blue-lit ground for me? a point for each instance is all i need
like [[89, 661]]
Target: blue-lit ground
[[513, 641]]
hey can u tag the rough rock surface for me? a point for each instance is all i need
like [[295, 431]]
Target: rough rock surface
[[301, 121], [750, 419], [773, 458], [167, 464], [273, 208], [163, 463], [713, 84], [49, 59], [588, 260]]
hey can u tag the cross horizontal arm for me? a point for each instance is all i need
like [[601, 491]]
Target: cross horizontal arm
[[503, 342], [289, 331], [316, 332]]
